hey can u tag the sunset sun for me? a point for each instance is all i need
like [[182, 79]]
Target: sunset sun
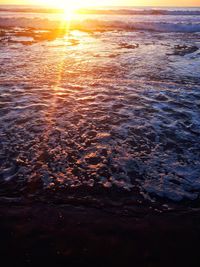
[[68, 7]]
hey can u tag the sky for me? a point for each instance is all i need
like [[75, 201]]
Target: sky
[[109, 2]]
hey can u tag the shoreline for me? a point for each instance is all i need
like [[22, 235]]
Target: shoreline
[[36, 234]]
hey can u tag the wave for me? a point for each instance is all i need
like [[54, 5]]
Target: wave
[[95, 25], [144, 26], [119, 11], [141, 12]]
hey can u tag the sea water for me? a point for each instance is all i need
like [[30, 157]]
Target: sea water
[[107, 103]]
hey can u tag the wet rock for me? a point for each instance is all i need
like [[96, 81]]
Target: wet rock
[[182, 50], [129, 46], [162, 97]]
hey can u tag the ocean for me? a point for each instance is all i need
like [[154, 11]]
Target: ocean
[[104, 107]]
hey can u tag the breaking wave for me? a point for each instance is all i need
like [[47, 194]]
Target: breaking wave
[[98, 24], [143, 12], [110, 11]]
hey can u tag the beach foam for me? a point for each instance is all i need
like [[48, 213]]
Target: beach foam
[[93, 25]]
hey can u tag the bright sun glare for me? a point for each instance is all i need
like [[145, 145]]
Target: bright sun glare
[[70, 5]]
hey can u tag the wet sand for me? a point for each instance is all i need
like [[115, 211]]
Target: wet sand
[[45, 234]]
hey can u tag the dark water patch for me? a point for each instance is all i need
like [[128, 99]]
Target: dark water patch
[[182, 50]]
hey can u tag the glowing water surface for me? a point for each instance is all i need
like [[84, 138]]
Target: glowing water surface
[[99, 112]]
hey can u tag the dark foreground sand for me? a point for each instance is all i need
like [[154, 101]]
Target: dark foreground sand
[[48, 235]]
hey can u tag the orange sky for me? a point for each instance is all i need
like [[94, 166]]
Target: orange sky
[[114, 2]]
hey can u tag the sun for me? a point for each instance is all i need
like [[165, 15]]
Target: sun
[[69, 7]]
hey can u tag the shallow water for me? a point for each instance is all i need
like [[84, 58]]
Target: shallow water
[[100, 113]]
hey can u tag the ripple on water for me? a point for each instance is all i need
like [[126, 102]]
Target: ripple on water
[[112, 134]]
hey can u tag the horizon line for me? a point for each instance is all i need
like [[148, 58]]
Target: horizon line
[[49, 6]]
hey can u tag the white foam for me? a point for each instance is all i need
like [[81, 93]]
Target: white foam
[[95, 24]]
